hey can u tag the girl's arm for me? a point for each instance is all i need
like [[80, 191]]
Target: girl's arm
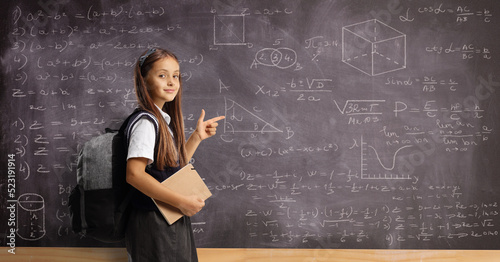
[[138, 178], [204, 130]]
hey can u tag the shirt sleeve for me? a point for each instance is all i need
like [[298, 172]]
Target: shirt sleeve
[[142, 140]]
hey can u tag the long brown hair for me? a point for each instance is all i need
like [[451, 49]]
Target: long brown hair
[[168, 152]]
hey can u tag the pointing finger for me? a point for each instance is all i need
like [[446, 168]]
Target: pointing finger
[[215, 119]]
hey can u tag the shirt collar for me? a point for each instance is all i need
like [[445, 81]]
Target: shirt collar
[[165, 115]]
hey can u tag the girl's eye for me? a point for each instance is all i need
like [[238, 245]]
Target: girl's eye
[[176, 76], [162, 76]]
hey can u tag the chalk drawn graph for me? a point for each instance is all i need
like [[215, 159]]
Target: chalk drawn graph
[[373, 167]]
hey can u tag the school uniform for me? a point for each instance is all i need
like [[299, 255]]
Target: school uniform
[[149, 237]]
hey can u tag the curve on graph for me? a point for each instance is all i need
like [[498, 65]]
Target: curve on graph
[[393, 159]]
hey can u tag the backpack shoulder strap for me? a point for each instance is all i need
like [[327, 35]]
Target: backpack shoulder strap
[[131, 120]]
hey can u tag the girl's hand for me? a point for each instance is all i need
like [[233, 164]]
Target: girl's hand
[[191, 205], [206, 129]]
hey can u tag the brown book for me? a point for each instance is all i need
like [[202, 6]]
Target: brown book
[[186, 182]]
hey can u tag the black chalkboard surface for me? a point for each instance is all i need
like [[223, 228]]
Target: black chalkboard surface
[[349, 124]]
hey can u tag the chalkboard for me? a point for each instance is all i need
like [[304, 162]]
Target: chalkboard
[[349, 124]]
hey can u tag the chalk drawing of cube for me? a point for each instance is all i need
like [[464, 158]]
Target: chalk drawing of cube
[[373, 47]]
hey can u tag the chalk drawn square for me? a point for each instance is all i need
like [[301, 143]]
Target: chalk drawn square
[[373, 47], [229, 30]]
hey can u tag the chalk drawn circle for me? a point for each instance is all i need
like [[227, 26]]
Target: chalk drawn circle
[[31, 202], [276, 57], [288, 58], [264, 56]]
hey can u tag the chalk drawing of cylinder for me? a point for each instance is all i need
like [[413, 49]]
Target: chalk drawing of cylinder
[[30, 216]]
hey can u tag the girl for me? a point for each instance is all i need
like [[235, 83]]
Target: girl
[[152, 158]]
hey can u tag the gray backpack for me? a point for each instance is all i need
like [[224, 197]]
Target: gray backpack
[[99, 203]]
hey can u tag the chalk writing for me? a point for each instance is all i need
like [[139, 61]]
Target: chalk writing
[[346, 125]]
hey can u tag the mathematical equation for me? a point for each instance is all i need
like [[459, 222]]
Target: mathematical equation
[[276, 212], [92, 13], [401, 224], [463, 13], [466, 51]]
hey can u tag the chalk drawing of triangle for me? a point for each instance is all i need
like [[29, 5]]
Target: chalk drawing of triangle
[[239, 120]]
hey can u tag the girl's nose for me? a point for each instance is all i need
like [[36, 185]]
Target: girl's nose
[[170, 81]]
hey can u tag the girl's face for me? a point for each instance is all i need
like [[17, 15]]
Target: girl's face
[[163, 80]]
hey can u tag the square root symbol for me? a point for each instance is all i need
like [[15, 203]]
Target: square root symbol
[[373, 47]]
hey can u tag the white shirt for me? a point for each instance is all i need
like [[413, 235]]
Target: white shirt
[[143, 138]]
